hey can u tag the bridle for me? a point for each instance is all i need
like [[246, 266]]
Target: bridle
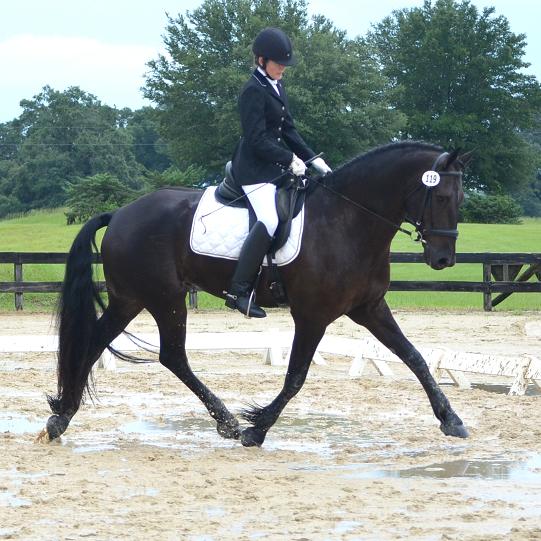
[[419, 224]]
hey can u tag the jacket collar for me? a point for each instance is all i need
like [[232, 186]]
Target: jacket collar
[[262, 80]]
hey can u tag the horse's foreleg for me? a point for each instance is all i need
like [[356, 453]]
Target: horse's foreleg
[[172, 327], [307, 337], [381, 323]]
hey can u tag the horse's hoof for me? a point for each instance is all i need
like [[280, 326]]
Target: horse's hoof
[[251, 437], [56, 426], [229, 430], [458, 431]]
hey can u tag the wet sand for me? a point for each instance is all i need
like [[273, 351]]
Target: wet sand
[[355, 459]]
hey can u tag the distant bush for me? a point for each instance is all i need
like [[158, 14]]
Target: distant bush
[[191, 176], [490, 209], [93, 195], [9, 206], [530, 198]]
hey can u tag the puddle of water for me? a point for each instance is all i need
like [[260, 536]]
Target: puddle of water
[[330, 430], [154, 431], [89, 441], [189, 433], [525, 472], [97, 448], [316, 433], [194, 430], [18, 424], [215, 512], [8, 499], [346, 526], [15, 478], [166, 427], [153, 492], [147, 428]]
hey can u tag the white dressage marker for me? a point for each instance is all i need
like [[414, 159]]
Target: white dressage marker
[[522, 368], [533, 328]]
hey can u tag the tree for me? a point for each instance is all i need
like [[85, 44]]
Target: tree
[[89, 196], [191, 176], [457, 75], [529, 196], [337, 95], [58, 137], [150, 150]]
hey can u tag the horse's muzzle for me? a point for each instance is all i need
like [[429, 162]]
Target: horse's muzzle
[[439, 259]]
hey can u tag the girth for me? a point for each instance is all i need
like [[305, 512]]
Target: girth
[[290, 196]]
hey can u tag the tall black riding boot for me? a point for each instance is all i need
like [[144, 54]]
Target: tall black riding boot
[[240, 295]]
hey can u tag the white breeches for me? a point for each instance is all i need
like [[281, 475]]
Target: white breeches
[[262, 199]]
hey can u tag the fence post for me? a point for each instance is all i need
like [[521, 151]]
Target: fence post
[[192, 298], [18, 276], [487, 295]]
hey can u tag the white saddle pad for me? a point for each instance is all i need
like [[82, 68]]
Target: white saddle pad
[[219, 231]]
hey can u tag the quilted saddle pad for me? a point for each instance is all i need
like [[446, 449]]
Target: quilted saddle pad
[[219, 231]]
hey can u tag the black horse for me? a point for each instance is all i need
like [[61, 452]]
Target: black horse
[[343, 267]]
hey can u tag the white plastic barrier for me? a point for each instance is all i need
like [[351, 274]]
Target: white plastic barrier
[[522, 368], [273, 343]]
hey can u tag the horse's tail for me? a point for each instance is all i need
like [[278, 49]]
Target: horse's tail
[[76, 319]]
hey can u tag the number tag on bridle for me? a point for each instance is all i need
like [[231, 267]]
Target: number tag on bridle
[[431, 178]]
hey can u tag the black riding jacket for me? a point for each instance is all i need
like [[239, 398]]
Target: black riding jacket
[[269, 137]]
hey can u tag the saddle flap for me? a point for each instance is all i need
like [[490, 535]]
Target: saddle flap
[[289, 202]]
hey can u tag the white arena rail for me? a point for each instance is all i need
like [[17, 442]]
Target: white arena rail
[[523, 369]]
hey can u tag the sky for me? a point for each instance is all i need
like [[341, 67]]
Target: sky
[[103, 46]]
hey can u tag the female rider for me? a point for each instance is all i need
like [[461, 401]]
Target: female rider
[[269, 145]]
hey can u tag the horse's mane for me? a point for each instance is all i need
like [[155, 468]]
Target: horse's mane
[[375, 152]]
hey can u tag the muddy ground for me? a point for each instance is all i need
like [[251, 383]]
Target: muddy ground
[[355, 459]]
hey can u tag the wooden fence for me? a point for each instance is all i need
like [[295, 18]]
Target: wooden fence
[[501, 275]]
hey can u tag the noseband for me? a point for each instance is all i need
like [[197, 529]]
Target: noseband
[[419, 223]]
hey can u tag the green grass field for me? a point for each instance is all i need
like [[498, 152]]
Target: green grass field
[[46, 231]]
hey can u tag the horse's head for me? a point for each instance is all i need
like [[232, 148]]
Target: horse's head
[[433, 208]]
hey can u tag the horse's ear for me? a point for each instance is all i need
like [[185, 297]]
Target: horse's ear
[[466, 158], [454, 155], [450, 158]]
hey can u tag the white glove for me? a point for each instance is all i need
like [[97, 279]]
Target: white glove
[[297, 166], [320, 166]]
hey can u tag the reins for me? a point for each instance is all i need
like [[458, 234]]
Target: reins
[[420, 231], [362, 207]]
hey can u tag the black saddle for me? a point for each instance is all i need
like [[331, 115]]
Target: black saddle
[[290, 195]]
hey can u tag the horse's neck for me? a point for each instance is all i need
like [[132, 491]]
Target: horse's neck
[[380, 186]]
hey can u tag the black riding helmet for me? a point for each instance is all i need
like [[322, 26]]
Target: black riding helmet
[[273, 44]]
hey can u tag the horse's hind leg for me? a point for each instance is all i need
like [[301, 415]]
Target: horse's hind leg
[[74, 379], [381, 324], [171, 321]]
